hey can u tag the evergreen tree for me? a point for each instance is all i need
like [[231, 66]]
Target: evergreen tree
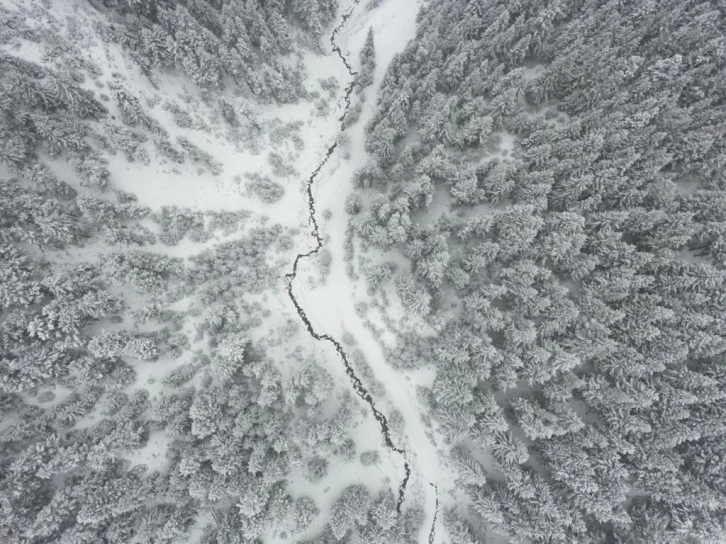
[[367, 62], [350, 510]]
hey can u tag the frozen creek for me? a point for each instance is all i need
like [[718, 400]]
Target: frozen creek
[[357, 384]]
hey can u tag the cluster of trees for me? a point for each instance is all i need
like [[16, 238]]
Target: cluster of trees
[[45, 111], [212, 41], [63, 481], [72, 408], [584, 361], [241, 263], [372, 520], [364, 78]]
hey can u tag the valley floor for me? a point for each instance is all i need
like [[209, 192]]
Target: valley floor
[[331, 307]]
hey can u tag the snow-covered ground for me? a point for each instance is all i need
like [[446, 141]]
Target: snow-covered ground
[[331, 308]]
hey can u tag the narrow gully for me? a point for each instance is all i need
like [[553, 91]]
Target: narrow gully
[[358, 386]]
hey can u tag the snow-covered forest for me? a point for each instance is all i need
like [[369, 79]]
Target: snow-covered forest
[[362, 271]]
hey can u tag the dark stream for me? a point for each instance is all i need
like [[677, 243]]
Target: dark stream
[[432, 533], [357, 384]]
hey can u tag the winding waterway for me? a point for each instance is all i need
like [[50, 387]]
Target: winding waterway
[[432, 532], [358, 386]]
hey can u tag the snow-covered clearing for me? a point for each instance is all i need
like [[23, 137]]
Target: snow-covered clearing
[[332, 308]]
